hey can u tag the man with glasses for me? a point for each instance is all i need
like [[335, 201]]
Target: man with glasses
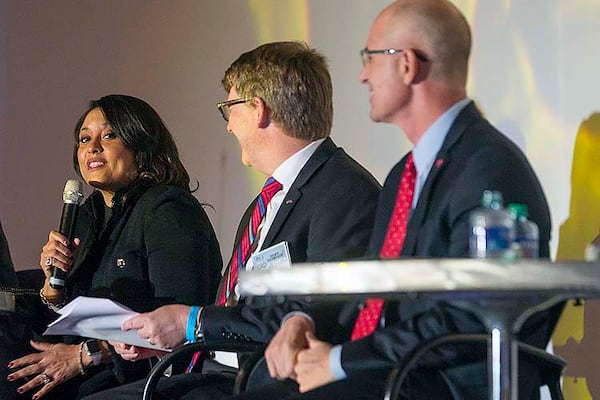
[[415, 66], [318, 204]]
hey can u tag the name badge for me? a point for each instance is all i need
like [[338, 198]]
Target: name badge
[[277, 256]]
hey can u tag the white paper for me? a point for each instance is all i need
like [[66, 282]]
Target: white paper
[[99, 319]]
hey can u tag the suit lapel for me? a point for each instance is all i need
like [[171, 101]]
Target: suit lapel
[[443, 159], [293, 195], [322, 154], [314, 163]]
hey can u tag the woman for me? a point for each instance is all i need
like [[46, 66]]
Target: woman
[[141, 239]]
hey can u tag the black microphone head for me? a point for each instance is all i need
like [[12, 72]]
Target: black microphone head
[[72, 193], [71, 198]]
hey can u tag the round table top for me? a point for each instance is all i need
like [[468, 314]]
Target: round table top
[[418, 276]]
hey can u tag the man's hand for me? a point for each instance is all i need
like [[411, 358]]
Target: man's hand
[[133, 353], [285, 345], [312, 366], [164, 326]]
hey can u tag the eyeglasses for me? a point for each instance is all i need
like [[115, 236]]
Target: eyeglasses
[[224, 106], [365, 54]]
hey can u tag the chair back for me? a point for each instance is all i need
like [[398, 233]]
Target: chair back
[[253, 373], [549, 366]]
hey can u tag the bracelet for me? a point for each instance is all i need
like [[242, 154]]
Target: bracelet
[[80, 359], [191, 324], [47, 301], [49, 298], [198, 333]]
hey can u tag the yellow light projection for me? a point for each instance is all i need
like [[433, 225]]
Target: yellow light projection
[[277, 20], [583, 223], [280, 20], [576, 389], [578, 331]]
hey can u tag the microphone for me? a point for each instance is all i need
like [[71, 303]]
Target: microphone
[[71, 198]]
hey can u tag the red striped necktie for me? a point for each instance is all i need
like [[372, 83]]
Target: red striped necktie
[[370, 314], [242, 252], [244, 249]]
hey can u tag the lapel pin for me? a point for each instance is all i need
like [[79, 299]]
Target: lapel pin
[[289, 201], [121, 262], [439, 162]]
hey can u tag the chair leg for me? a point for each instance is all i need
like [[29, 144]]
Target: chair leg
[[556, 391]]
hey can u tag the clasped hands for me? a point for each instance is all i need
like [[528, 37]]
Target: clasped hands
[[295, 353]]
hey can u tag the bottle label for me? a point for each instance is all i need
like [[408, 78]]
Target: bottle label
[[528, 247], [491, 242]]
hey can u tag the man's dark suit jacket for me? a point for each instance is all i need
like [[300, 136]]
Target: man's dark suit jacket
[[327, 215], [474, 157]]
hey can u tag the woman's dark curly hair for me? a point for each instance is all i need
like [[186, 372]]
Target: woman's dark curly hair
[[143, 131]]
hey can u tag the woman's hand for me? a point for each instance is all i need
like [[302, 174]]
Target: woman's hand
[[133, 353], [53, 365], [56, 253]]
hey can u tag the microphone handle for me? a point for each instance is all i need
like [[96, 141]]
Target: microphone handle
[[67, 223]]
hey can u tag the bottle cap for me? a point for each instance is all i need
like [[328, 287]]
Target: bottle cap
[[518, 210], [492, 199]]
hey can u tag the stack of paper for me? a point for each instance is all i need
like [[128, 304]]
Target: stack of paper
[[97, 318]]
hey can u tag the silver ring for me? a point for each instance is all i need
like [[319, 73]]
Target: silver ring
[[47, 378], [48, 261]]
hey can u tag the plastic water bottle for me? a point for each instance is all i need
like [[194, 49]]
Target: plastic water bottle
[[527, 234], [492, 228], [592, 251]]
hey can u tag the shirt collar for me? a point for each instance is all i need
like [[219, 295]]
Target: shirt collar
[[287, 172], [431, 142]]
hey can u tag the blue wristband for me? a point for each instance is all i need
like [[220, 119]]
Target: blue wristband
[[191, 324]]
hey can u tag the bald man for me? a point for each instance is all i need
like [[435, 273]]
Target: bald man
[[415, 65]]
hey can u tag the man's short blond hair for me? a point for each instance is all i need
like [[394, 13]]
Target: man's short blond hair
[[293, 81]]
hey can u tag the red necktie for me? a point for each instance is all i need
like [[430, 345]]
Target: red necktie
[[243, 250], [369, 316]]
